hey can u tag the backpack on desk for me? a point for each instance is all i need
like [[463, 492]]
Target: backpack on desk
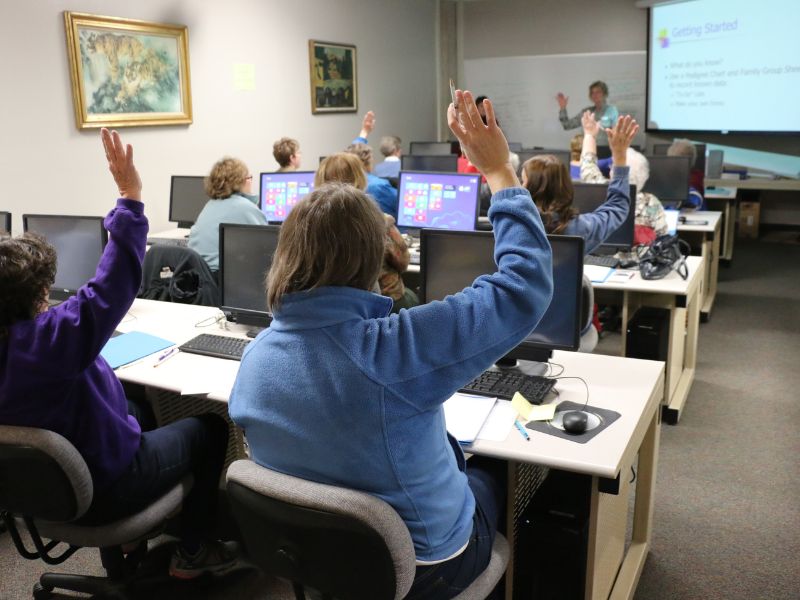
[[666, 253]]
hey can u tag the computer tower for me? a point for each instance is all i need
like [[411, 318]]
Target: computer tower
[[648, 334], [552, 538]]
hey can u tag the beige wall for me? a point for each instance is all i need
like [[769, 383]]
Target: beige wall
[[495, 28], [48, 166]]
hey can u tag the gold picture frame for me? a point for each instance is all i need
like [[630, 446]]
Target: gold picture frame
[[127, 72], [334, 77]]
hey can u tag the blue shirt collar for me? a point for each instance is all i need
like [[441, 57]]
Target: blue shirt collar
[[326, 306]]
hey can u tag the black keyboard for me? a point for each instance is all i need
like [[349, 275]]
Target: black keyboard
[[503, 384], [219, 346], [601, 261], [157, 241]]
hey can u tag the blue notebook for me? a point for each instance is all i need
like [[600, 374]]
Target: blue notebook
[[128, 347]]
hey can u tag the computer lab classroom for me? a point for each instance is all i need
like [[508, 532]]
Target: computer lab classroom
[[683, 481]]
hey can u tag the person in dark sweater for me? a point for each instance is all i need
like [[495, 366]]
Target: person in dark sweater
[[53, 377]]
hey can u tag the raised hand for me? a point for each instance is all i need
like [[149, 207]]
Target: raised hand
[[620, 137], [562, 100], [590, 125], [367, 124], [484, 145], [120, 163]]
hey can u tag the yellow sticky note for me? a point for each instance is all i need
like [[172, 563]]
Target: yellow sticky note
[[521, 405], [531, 412], [244, 77]]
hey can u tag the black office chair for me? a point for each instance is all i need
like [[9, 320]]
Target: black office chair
[[45, 488], [178, 274], [342, 543]]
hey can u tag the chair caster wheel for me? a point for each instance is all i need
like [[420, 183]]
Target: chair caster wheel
[[41, 593]]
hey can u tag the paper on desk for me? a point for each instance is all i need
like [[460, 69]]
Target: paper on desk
[[596, 273], [217, 377], [532, 412], [620, 276], [499, 423], [465, 414]]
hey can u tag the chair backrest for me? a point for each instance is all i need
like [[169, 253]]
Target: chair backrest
[[178, 274], [341, 542], [587, 304], [42, 475]]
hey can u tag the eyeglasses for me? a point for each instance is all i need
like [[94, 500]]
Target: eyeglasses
[[248, 177]]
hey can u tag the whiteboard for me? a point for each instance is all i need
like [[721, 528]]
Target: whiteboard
[[523, 90]]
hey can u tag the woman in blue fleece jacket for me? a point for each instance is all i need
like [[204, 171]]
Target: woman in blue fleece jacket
[[550, 184], [339, 391]]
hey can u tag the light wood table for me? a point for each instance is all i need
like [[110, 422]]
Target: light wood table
[[707, 237]]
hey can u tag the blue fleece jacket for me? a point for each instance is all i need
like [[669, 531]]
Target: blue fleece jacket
[[51, 373], [383, 193], [337, 390], [596, 226]]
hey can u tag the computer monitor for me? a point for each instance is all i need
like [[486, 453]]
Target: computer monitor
[[5, 221], [281, 191], [245, 256], [669, 179], [431, 148], [79, 244], [700, 163], [515, 146], [526, 155], [452, 260], [714, 164], [187, 197], [589, 196], [439, 164], [604, 151], [438, 200]]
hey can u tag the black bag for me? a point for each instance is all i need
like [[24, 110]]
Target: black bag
[[666, 253]]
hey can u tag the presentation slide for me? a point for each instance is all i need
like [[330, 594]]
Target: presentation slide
[[724, 65]]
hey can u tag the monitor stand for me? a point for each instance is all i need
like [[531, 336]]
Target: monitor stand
[[253, 332], [525, 367]]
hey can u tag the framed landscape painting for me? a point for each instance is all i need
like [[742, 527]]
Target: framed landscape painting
[[334, 82], [126, 72]]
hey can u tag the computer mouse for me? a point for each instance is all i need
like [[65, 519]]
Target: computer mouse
[[574, 421], [681, 219]]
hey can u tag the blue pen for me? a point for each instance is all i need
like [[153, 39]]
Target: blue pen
[[521, 430]]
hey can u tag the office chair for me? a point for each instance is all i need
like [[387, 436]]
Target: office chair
[[343, 543], [589, 336], [45, 488], [178, 274]]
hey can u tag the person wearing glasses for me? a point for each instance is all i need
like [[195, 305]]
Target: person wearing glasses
[[229, 187]]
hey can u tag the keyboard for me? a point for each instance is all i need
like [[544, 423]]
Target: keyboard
[[503, 384], [158, 241], [601, 261], [219, 346]]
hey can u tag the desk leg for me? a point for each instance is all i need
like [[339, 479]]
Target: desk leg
[[712, 275], [632, 565], [688, 321], [511, 524]]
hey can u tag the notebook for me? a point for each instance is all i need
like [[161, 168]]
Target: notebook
[[465, 414], [128, 347]]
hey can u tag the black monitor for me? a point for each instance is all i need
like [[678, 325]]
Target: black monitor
[[604, 151], [440, 164], [79, 244], [700, 163], [438, 200], [669, 179], [562, 155], [589, 196], [281, 191], [245, 256], [5, 221], [187, 197], [714, 164], [515, 146], [451, 261], [431, 148]]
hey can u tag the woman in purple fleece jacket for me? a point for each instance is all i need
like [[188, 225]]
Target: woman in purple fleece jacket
[[53, 377]]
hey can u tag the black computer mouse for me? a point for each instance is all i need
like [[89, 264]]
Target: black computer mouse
[[681, 219], [574, 421]]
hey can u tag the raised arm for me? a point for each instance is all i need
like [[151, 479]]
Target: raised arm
[[82, 325], [590, 172], [446, 343], [367, 125], [566, 122]]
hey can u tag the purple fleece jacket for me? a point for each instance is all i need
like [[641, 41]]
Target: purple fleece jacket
[[51, 373]]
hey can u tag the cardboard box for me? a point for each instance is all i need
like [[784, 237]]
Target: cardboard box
[[749, 213]]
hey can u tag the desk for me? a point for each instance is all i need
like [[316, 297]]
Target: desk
[[634, 388], [707, 237], [682, 299], [177, 233], [723, 199]]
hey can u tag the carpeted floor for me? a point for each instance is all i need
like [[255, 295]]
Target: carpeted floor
[[727, 508]]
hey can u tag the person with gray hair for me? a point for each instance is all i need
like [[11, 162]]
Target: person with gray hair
[[606, 114], [651, 221], [391, 148], [684, 147]]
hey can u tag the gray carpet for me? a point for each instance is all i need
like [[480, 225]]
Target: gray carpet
[[727, 514]]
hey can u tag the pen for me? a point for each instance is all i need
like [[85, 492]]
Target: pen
[[521, 430], [171, 352]]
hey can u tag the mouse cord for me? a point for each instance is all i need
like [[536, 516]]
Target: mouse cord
[[586, 385], [550, 370]]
